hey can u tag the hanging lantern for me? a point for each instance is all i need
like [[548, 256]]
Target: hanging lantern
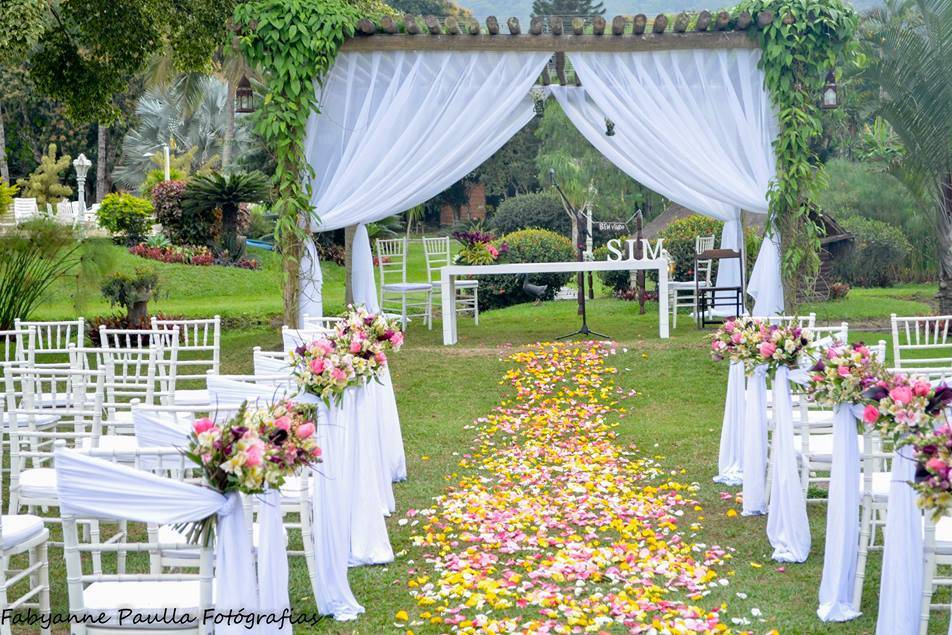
[[830, 99], [609, 127], [244, 96]]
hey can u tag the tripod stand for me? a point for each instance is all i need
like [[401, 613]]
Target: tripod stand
[[580, 248]]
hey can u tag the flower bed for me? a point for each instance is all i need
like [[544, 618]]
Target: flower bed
[[189, 255]]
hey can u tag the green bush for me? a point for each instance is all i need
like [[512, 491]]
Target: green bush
[[877, 255], [541, 210], [7, 192], [132, 292], [527, 245], [125, 215], [617, 280], [225, 195]]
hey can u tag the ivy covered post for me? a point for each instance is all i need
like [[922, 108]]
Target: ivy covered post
[[800, 42], [293, 43]]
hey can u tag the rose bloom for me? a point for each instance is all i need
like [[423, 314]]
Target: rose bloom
[[317, 366], [938, 466], [922, 388], [901, 394], [844, 371], [305, 430], [283, 423], [203, 425], [767, 349], [870, 414]]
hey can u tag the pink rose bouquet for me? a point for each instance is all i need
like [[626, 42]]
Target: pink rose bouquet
[[778, 345], [901, 406], [842, 372], [933, 451], [736, 340]]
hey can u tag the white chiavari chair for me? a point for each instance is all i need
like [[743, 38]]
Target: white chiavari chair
[[438, 254], [199, 350], [87, 494], [139, 364], [292, 338], [937, 552], [683, 294], [270, 362], [52, 339], [397, 295], [24, 209], [921, 342], [312, 322]]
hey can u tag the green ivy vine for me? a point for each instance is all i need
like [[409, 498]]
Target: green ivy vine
[[294, 43], [799, 46]]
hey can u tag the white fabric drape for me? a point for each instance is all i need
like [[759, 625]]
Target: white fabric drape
[[900, 586], [755, 444], [362, 276], [92, 487], [311, 301], [842, 522], [700, 122], [730, 459], [765, 286], [396, 128], [788, 527]]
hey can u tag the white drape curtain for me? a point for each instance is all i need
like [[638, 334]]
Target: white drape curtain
[[398, 127], [700, 124], [95, 488]]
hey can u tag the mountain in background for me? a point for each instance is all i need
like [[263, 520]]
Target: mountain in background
[[522, 9]]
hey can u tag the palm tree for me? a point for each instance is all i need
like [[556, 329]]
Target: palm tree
[[226, 193], [908, 45]]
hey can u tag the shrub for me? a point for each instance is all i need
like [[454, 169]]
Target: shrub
[[877, 255], [157, 176], [44, 184], [125, 215], [679, 239], [541, 210], [35, 255], [527, 245], [132, 292], [227, 193], [7, 192], [167, 201]]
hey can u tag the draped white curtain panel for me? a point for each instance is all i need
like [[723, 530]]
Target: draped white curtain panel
[[398, 127]]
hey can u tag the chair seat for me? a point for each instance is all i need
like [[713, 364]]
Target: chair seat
[[407, 286], [38, 483], [40, 421], [116, 442], [685, 286], [881, 484], [192, 397], [459, 284], [19, 528], [144, 598]]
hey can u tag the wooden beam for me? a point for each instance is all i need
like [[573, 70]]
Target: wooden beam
[[513, 24], [551, 44], [598, 25], [578, 26], [703, 21], [640, 22], [535, 25], [492, 25], [410, 25], [660, 24], [618, 25]]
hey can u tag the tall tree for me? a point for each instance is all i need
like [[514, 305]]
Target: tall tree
[[909, 55], [567, 7], [439, 8]]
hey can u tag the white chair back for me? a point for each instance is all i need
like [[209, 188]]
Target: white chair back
[[199, 345], [53, 339], [921, 342], [24, 209], [438, 255], [391, 259], [140, 364], [704, 267], [316, 322], [270, 362], [839, 332], [64, 213], [228, 392], [803, 321]]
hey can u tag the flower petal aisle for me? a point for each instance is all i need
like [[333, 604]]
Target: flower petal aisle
[[551, 526]]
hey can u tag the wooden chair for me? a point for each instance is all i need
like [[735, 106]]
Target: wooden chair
[[683, 294], [712, 297]]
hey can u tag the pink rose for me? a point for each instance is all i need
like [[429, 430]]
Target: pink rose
[[283, 423], [397, 339], [316, 452], [922, 388], [254, 453], [381, 358], [901, 394], [937, 466], [870, 414], [305, 430], [338, 374], [737, 338], [355, 346], [767, 349], [843, 371], [317, 366], [203, 425], [729, 326]]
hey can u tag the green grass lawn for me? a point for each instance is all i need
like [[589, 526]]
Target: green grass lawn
[[676, 414]]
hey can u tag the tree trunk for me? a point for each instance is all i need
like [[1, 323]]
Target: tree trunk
[[292, 249], [138, 314], [4, 168], [944, 229], [229, 127], [349, 232], [102, 179]]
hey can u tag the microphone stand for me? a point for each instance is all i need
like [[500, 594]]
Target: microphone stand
[[580, 247]]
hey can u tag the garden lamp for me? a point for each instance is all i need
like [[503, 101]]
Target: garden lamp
[[830, 99], [82, 165], [244, 96], [538, 100]]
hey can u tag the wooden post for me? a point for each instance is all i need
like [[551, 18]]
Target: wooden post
[[535, 25], [618, 25], [703, 21], [681, 23], [513, 24], [743, 21], [492, 25], [578, 25], [723, 21], [452, 25], [598, 25], [433, 25], [388, 25], [410, 25], [641, 21], [660, 24], [366, 27]]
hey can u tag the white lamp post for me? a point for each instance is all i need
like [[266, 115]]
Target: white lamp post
[[82, 165], [168, 163]]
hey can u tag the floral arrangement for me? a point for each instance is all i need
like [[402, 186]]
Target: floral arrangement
[[478, 248], [901, 406], [255, 450], [842, 372], [933, 451], [735, 340], [779, 346], [189, 255], [353, 354]]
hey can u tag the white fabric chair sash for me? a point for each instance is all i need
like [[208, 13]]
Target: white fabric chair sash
[[900, 587], [293, 338], [91, 487], [842, 521], [159, 430], [730, 459], [226, 395], [755, 444], [788, 527]]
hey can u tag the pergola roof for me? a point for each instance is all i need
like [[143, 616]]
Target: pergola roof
[[623, 33]]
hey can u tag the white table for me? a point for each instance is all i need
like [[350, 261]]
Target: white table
[[449, 274]]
